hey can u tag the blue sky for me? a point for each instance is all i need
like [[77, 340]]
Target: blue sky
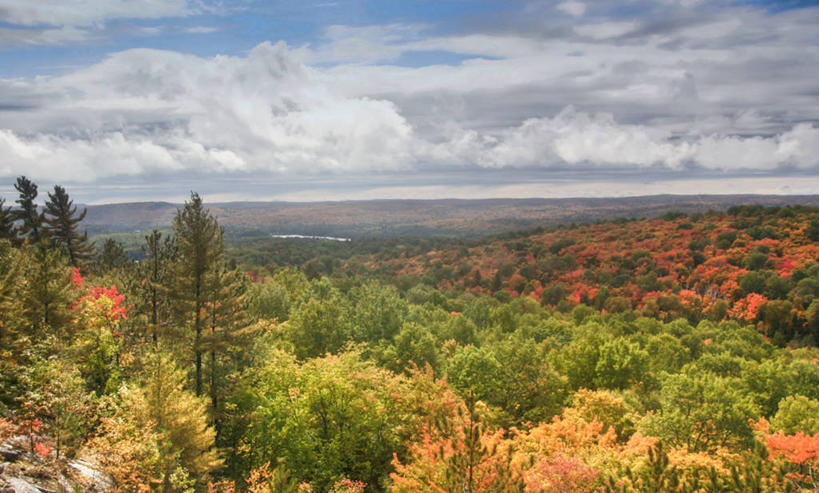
[[234, 28], [377, 99]]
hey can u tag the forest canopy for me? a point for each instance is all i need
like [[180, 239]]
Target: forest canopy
[[669, 354]]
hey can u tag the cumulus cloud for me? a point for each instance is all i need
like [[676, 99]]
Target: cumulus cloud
[[149, 112], [576, 138], [671, 93], [144, 111]]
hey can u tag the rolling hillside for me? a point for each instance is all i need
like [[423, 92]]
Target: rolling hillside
[[753, 264], [389, 218]]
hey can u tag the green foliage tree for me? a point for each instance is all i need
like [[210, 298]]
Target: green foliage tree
[[111, 256], [48, 293], [98, 345], [30, 219], [378, 312], [700, 412], [753, 282], [812, 318], [14, 337], [6, 221], [476, 371], [620, 365], [812, 231], [12, 263], [64, 406], [578, 361], [199, 250], [531, 390], [62, 222], [155, 271], [797, 414], [753, 472], [413, 345], [226, 319], [326, 418], [269, 301], [321, 324]]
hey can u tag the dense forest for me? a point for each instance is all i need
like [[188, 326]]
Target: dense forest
[[670, 354]]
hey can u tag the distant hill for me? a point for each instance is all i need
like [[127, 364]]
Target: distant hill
[[424, 218]]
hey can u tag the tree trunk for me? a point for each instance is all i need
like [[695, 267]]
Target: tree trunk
[[214, 398], [154, 317]]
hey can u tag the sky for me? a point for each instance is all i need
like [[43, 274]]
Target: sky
[[132, 100]]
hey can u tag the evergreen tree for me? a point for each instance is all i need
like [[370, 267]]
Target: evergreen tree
[[6, 221], [179, 417], [11, 282], [31, 220], [12, 343], [158, 438], [199, 248], [112, 256], [48, 295], [226, 319], [155, 270], [62, 226]]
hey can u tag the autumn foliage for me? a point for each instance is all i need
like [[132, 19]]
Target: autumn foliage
[[674, 354]]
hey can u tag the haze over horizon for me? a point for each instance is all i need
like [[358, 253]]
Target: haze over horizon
[[249, 100]]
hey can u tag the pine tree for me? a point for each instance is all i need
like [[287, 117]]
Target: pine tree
[[155, 272], [48, 296], [180, 417], [31, 220], [158, 438], [13, 344], [199, 248], [11, 282], [62, 226], [226, 319], [112, 256], [6, 221]]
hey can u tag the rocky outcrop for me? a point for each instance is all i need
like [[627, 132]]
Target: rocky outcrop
[[22, 471]]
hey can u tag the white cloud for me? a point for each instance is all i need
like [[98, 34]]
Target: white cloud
[[202, 29], [798, 148], [149, 111], [144, 112], [573, 8], [86, 12], [604, 30], [11, 36], [576, 138]]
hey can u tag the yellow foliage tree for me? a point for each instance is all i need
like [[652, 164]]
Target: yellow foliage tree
[[158, 438]]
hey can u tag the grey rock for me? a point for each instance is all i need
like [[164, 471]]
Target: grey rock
[[19, 485]]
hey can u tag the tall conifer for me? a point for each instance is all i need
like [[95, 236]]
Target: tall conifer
[[31, 220], [199, 249], [11, 308], [6, 221], [62, 226], [111, 256], [226, 320], [155, 270], [48, 295]]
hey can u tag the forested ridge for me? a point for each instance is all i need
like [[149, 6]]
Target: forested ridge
[[670, 354]]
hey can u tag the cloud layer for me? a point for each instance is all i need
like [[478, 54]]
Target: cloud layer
[[682, 87]]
